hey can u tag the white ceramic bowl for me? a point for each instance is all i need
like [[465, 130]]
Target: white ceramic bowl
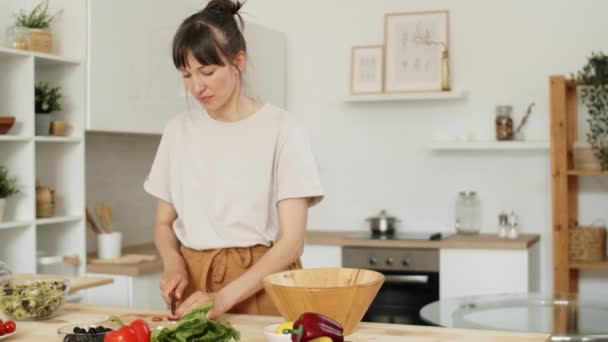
[[270, 336]]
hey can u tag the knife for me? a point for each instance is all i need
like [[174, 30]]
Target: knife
[[172, 297]]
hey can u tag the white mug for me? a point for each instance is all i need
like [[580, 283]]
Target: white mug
[[109, 246]]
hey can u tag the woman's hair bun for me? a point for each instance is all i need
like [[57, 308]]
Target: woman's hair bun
[[224, 6]]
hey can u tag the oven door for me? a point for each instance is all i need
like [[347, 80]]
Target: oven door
[[402, 296]]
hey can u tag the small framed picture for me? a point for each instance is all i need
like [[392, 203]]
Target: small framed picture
[[366, 69], [415, 43]]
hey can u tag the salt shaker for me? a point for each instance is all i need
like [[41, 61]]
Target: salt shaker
[[503, 221], [512, 232]]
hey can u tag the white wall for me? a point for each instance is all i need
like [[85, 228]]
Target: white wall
[[116, 167], [375, 156]]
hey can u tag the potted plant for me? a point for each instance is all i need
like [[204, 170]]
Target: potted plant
[[594, 95], [48, 100], [37, 22], [8, 187]]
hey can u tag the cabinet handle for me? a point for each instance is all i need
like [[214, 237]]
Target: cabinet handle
[[406, 279]]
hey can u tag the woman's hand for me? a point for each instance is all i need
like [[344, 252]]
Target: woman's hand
[[175, 279], [221, 305]]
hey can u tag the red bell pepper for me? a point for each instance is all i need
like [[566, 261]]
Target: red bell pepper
[[137, 331], [314, 325]]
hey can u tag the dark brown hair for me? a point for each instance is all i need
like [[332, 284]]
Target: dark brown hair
[[210, 34]]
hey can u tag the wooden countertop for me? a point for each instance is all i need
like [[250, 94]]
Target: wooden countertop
[[333, 238], [76, 283], [251, 328], [480, 241], [143, 268]]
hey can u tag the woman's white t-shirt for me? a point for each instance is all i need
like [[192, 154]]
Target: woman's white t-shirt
[[225, 179]]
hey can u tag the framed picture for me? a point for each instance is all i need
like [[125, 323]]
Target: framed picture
[[366, 69], [414, 44]]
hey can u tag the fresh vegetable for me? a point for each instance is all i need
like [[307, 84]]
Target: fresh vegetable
[[124, 334], [321, 339], [31, 300], [310, 326], [9, 327], [195, 327], [2, 331], [283, 326], [137, 331]]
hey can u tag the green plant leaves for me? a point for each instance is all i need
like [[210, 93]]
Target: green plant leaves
[[47, 99], [8, 185], [38, 18]]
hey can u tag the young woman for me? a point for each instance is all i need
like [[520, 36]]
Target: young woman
[[234, 180]]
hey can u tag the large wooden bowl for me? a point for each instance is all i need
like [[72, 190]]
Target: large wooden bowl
[[343, 294]]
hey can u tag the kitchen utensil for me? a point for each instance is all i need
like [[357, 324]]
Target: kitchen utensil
[[271, 336], [101, 214], [524, 119], [91, 221], [172, 297], [124, 260], [326, 291], [109, 246], [6, 122], [382, 224], [108, 214]]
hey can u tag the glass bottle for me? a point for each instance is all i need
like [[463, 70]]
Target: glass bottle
[[467, 213], [504, 123]]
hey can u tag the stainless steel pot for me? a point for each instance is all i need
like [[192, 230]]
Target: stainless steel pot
[[383, 224]]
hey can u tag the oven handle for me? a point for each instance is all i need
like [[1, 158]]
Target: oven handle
[[406, 279]]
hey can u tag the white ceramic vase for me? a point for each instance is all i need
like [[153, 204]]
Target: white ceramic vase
[[43, 124]]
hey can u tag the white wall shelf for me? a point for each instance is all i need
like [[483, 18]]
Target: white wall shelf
[[57, 220], [411, 96], [14, 138], [489, 146], [14, 224], [57, 162], [58, 139], [41, 58]]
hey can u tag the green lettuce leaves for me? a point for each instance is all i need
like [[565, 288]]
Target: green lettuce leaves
[[195, 327]]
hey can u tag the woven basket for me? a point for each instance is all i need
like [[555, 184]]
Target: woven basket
[[41, 40], [587, 244]]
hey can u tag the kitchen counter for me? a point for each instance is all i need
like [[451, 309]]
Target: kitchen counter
[[480, 241], [331, 238], [76, 283], [251, 328], [142, 268]]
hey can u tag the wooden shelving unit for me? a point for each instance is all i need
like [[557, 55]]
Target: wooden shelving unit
[[565, 183]]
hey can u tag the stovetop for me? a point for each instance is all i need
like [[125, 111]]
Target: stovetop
[[404, 236]]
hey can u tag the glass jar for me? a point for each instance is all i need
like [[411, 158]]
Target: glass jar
[[467, 213], [504, 123], [18, 38]]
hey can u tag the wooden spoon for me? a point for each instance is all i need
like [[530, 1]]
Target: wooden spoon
[[99, 210]]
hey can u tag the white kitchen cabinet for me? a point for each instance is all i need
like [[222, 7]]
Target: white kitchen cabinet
[[127, 291], [321, 256], [467, 272], [133, 86]]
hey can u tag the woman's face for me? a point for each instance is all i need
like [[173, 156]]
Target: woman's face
[[212, 85]]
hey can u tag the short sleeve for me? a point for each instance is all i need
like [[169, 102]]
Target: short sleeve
[[297, 174], [158, 182]]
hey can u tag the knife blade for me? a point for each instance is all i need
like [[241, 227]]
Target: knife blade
[[172, 297]]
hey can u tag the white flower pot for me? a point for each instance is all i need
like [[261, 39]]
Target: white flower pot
[[2, 206], [43, 124]]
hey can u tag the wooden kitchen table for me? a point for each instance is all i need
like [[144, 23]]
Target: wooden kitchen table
[[251, 328]]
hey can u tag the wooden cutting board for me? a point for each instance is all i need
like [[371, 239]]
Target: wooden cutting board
[[124, 260]]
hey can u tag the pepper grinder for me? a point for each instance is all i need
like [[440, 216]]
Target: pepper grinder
[[503, 220], [512, 232]]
